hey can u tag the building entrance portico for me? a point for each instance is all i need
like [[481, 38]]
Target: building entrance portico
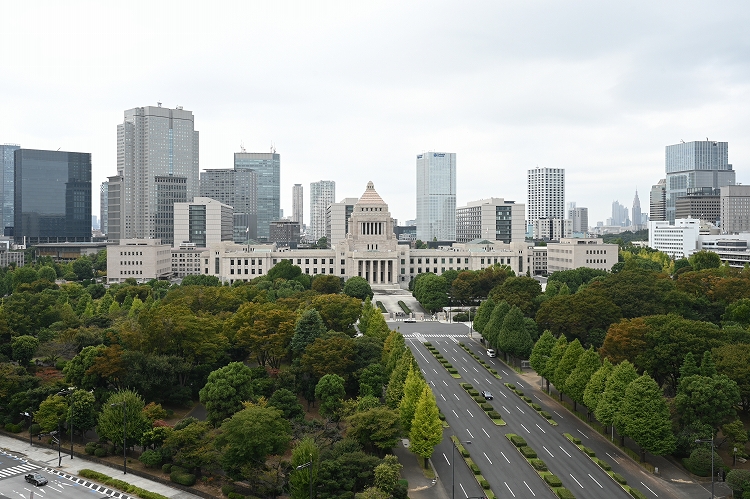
[[377, 271]]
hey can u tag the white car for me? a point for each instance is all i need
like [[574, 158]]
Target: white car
[[491, 353]]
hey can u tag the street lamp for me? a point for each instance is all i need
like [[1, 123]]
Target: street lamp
[[124, 436], [65, 393], [307, 465], [453, 466], [29, 415], [711, 441]]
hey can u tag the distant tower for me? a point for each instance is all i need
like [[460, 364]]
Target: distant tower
[[436, 196], [322, 194], [658, 201], [297, 204], [636, 210]]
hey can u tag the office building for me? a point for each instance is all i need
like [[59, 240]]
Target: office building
[[297, 204], [7, 154], [153, 143], [658, 201], [620, 216], [285, 233], [493, 219], [337, 219], [202, 221], [52, 196], [735, 209], [238, 189], [579, 220], [436, 196], [322, 194], [551, 229], [103, 207], [546, 194], [169, 190], [268, 168], [636, 210], [703, 203], [573, 253], [694, 165], [139, 259]]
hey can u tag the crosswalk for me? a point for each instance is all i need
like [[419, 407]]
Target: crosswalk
[[436, 335], [17, 470]]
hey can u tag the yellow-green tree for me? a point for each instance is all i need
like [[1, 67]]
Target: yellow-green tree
[[426, 428]]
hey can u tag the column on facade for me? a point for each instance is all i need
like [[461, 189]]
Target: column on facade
[[375, 270]]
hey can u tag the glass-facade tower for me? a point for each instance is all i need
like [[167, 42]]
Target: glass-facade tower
[[436, 196], [268, 168], [6, 180]]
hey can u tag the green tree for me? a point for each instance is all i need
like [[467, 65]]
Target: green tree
[[377, 327], [83, 268], [703, 259], [376, 429], [519, 292], [330, 391], [708, 368], [330, 354], [387, 474], [308, 328], [339, 312], [644, 417], [689, 367], [52, 413], [372, 379], [286, 401], [739, 481], [483, 314], [358, 287], [250, 436], [190, 445], [568, 362], [110, 424], [555, 356], [82, 415], [413, 387], [611, 400], [47, 273], [586, 366], [596, 385], [491, 331], [395, 390], [733, 360], [345, 468], [707, 400], [541, 352], [326, 284], [306, 451], [426, 429], [514, 337], [225, 391], [23, 349], [431, 291], [78, 371]]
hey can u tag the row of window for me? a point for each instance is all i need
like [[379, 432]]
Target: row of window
[[128, 262]]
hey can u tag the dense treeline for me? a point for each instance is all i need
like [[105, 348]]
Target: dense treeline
[[256, 355]]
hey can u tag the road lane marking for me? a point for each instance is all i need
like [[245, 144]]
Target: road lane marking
[[504, 372], [446, 459], [612, 457], [520, 410], [574, 478], [506, 410], [548, 452], [462, 488], [558, 415], [454, 412], [446, 384], [566, 452], [509, 489], [527, 430], [485, 455], [504, 395], [470, 414], [488, 381], [432, 383], [527, 486], [467, 431], [537, 425], [456, 396], [462, 367], [475, 381], [519, 384], [423, 371], [649, 489], [435, 370], [443, 398], [454, 360], [485, 432], [477, 370], [582, 433], [504, 456], [594, 479]]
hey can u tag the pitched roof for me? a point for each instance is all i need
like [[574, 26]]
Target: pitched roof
[[371, 196]]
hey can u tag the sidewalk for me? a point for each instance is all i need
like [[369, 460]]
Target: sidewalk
[[45, 457], [420, 487]]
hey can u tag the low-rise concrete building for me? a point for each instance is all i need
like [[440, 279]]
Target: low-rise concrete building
[[573, 253], [140, 259]]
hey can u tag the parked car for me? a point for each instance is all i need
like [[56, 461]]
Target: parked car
[[491, 353], [410, 319], [36, 479], [487, 395]]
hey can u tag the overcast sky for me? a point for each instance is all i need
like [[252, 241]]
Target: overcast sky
[[353, 91]]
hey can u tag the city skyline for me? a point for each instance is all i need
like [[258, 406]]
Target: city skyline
[[596, 89]]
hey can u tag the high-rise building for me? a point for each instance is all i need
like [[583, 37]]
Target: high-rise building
[[620, 216], [695, 164], [268, 168], [52, 196], [702, 203], [636, 210], [202, 221], [103, 204], [322, 194], [579, 220], [658, 201], [285, 233], [297, 204], [152, 142], [169, 190], [494, 219], [337, 220], [6, 180], [436, 196], [735, 209], [238, 189], [546, 194], [114, 208]]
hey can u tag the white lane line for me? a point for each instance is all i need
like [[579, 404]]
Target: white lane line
[[470, 414], [462, 488], [519, 384], [566, 452], [558, 415], [536, 397], [454, 350], [574, 478], [488, 381], [464, 359], [527, 486], [454, 412], [504, 372], [467, 431], [649, 489], [446, 459], [435, 370], [475, 381], [462, 367], [504, 456], [594, 479], [432, 383], [477, 370], [485, 455], [420, 353], [520, 410], [537, 425], [443, 398], [456, 396], [548, 452], [423, 371], [582, 433], [612, 457], [506, 410], [527, 430], [509, 489], [485, 432], [454, 360], [446, 384]]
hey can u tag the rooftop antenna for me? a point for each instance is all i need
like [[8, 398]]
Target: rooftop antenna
[[158, 104], [682, 141], [242, 146], [273, 148]]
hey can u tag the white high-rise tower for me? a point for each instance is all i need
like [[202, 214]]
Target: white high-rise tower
[[436, 196], [297, 204], [322, 194]]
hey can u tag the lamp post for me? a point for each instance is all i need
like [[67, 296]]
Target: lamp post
[[711, 441], [453, 466], [124, 436], [29, 415], [307, 465], [65, 393]]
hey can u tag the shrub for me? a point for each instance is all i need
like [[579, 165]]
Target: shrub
[[35, 429], [552, 480], [453, 371], [739, 480], [564, 493], [166, 468], [527, 452], [486, 407], [13, 428], [494, 415], [519, 393], [100, 452], [473, 393], [441, 416], [517, 440], [637, 493], [227, 489], [547, 415], [699, 462], [427, 344], [90, 448], [235, 495], [464, 452], [619, 479], [466, 386], [576, 440], [538, 464], [589, 452], [151, 458], [493, 371], [475, 468], [511, 386], [448, 366], [526, 399], [478, 399], [536, 407], [187, 479], [603, 464], [484, 484]]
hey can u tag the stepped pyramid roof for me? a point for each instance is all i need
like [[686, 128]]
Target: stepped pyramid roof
[[371, 196]]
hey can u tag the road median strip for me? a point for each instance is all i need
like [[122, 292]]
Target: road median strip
[[537, 408], [447, 365], [474, 468], [619, 479], [489, 368], [551, 480], [486, 407]]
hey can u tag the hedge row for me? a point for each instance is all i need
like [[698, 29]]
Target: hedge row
[[120, 485], [537, 408], [480, 360]]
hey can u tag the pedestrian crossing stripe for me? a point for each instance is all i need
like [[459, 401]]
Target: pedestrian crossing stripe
[[91, 485], [17, 470]]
